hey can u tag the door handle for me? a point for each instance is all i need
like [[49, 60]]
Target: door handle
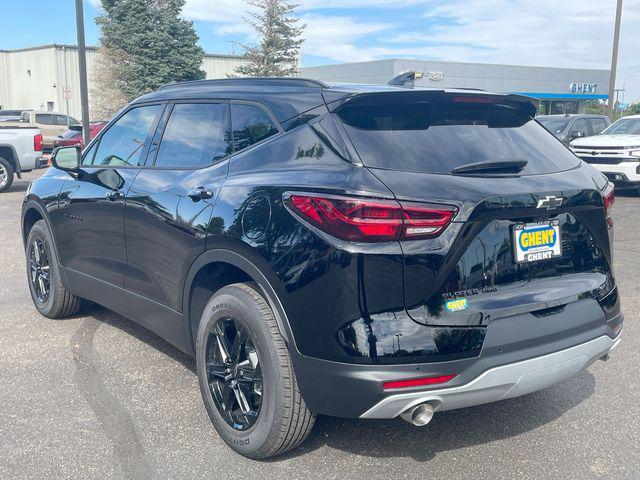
[[199, 193], [114, 195]]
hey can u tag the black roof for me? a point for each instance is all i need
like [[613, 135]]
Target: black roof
[[286, 97]]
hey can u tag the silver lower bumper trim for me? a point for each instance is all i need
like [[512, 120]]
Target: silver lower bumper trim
[[499, 383]]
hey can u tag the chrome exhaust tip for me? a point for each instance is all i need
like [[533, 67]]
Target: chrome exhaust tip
[[419, 415]]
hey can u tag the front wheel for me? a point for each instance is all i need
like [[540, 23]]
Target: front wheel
[[246, 377], [6, 174], [49, 295]]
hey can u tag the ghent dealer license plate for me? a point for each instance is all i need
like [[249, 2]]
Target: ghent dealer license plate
[[537, 241]]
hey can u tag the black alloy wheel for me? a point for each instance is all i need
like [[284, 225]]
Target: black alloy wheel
[[39, 270], [235, 377]]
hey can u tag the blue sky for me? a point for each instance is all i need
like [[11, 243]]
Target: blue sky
[[573, 33]]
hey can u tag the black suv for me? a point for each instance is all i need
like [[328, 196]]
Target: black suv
[[348, 250]]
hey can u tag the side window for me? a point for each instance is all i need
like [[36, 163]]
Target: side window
[[579, 125], [44, 118], [196, 135], [124, 142], [62, 120], [250, 125], [598, 125]]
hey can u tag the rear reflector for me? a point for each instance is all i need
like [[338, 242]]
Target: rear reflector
[[368, 220], [417, 382], [37, 142]]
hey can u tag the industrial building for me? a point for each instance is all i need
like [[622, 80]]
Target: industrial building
[[47, 78], [560, 90]]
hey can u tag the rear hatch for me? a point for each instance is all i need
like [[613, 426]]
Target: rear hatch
[[530, 233]]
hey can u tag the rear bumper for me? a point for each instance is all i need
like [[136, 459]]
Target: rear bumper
[[514, 347], [499, 383]]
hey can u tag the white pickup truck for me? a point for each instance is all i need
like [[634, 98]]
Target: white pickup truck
[[20, 151], [615, 152]]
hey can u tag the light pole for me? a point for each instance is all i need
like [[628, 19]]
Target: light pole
[[614, 59], [82, 67]]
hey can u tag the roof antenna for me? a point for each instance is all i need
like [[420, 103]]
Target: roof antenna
[[406, 79]]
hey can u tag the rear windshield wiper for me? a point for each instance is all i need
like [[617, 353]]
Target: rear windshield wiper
[[505, 166]]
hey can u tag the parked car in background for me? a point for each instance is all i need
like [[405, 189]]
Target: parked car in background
[[10, 115], [73, 136], [20, 151], [51, 124], [569, 127], [615, 152], [359, 251]]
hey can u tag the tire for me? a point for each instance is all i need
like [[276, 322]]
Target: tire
[[282, 420], [58, 302], [6, 174]]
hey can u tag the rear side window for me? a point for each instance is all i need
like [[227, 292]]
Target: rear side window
[[196, 135], [251, 125], [124, 142], [437, 133], [44, 118]]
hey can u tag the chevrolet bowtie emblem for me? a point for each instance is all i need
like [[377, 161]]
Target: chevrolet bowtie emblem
[[550, 202]]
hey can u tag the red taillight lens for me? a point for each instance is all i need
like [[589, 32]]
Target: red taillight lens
[[418, 382], [609, 198], [363, 220], [37, 142]]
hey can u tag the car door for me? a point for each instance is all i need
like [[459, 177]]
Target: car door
[[169, 206], [90, 217], [580, 128]]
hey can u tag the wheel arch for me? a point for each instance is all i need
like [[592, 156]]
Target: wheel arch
[[251, 271]]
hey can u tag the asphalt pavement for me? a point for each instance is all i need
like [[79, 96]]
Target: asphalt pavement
[[99, 397]]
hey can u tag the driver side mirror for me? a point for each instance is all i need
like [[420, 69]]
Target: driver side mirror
[[577, 134], [66, 158]]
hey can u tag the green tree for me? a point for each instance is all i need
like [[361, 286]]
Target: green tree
[[597, 107], [634, 109], [152, 45], [278, 53]]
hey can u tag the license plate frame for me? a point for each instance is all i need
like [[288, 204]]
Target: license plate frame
[[536, 247]]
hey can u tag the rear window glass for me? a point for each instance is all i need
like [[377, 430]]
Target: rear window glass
[[438, 133]]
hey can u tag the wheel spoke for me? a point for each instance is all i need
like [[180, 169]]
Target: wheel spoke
[[238, 343], [222, 342], [36, 252], [216, 370]]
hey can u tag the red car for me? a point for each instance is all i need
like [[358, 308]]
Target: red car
[[73, 136]]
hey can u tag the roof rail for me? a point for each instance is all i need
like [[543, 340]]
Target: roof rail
[[279, 81]]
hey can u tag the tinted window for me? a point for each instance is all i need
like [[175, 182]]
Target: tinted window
[[554, 125], [580, 125], [62, 120], [124, 142], [598, 125], [250, 125], [435, 134], [196, 135], [44, 118]]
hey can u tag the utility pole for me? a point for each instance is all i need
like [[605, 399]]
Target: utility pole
[[614, 59], [82, 65]]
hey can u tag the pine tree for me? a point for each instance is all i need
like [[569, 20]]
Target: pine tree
[[159, 46], [278, 53]]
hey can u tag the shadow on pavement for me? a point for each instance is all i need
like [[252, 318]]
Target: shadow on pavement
[[395, 438]]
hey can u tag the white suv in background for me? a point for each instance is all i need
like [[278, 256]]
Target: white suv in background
[[615, 152]]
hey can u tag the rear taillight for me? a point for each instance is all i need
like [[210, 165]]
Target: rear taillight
[[37, 142], [364, 220], [609, 198], [417, 382]]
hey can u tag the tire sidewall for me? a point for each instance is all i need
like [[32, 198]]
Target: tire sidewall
[[234, 303]]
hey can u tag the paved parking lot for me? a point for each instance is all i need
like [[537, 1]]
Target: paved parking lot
[[99, 397]]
